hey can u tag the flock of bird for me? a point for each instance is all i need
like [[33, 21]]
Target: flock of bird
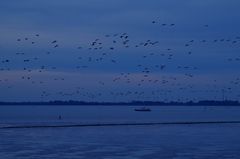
[[154, 73]]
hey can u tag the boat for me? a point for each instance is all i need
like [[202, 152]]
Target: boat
[[143, 109]]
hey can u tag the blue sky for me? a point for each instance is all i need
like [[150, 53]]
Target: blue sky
[[200, 70]]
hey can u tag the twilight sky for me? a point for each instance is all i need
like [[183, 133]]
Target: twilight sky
[[105, 50]]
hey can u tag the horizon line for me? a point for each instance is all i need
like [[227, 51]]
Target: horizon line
[[133, 103]]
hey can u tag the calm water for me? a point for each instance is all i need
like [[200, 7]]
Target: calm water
[[102, 114], [151, 142]]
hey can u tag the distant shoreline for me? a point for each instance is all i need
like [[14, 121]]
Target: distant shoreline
[[133, 103], [118, 124]]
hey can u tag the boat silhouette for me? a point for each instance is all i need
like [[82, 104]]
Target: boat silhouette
[[143, 109]]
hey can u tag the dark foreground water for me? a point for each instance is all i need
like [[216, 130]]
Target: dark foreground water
[[202, 141]]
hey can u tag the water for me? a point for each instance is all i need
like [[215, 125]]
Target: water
[[160, 141], [114, 114]]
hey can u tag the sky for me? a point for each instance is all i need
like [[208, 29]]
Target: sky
[[105, 50]]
